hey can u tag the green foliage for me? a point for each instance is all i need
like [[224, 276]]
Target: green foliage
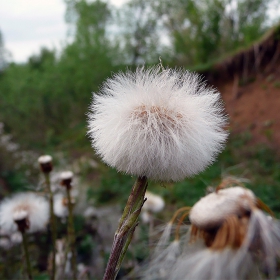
[[113, 187], [204, 30]]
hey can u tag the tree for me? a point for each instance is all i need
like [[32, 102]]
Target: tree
[[4, 54], [202, 30]]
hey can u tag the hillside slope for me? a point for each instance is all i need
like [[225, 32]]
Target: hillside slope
[[249, 82]]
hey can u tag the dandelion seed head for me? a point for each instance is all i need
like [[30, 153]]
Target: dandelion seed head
[[24, 206], [166, 125], [154, 203], [212, 210]]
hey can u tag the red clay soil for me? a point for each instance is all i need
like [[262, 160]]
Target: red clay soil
[[254, 108]]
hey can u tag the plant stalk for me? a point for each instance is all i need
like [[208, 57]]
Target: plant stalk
[[52, 224], [26, 253], [71, 234], [126, 227]]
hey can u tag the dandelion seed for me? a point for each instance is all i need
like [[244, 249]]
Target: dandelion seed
[[30, 208], [165, 125]]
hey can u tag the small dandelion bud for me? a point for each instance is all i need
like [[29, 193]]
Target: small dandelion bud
[[45, 163], [164, 125], [66, 179]]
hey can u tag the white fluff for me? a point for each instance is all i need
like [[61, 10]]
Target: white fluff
[[16, 238], [60, 207], [154, 203], [164, 125], [36, 208], [263, 240], [45, 159], [214, 265], [161, 265]]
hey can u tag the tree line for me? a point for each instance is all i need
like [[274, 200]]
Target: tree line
[[44, 101]]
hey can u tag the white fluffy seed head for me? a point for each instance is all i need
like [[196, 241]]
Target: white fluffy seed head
[[45, 159], [165, 125], [212, 210], [154, 203], [24, 205]]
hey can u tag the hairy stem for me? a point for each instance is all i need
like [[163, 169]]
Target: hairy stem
[[127, 225], [71, 234], [26, 253], [52, 224]]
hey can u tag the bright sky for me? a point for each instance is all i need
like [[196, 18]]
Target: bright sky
[[27, 25]]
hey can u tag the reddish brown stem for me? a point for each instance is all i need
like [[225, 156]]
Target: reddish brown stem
[[126, 227]]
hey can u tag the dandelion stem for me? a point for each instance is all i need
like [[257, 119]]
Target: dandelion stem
[[71, 234], [52, 223], [127, 225], [26, 253]]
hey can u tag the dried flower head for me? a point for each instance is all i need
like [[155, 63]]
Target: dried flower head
[[45, 163], [230, 238], [27, 209], [66, 178], [165, 125]]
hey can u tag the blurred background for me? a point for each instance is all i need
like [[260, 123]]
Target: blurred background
[[54, 54]]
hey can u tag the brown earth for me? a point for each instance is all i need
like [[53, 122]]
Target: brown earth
[[254, 108], [249, 82]]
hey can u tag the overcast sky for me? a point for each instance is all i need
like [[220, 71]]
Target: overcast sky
[[26, 25]]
